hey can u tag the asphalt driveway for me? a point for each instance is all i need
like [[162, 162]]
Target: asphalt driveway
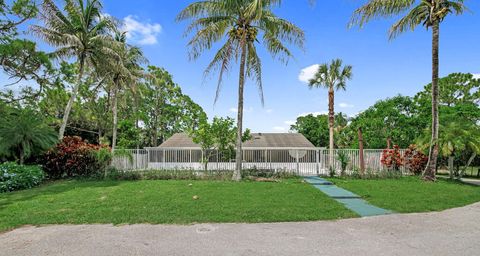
[[452, 232]]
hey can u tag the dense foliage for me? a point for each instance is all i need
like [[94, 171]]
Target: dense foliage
[[24, 133], [404, 120], [74, 157], [15, 177]]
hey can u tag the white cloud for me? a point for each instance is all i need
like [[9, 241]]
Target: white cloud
[[308, 73], [233, 110], [289, 122], [143, 33], [269, 111], [345, 105], [314, 113], [279, 129]]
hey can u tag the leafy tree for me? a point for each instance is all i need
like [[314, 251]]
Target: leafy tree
[[23, 133], [316, 128], [239, 24], [332, 76], [430, 14], [81, 32], [394, 119], [164, 109], [19, 58], [219, 136]]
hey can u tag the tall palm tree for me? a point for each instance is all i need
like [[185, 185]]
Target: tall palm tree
[[81, 31], [243, 24], [126, 74], [334, 77], [430, 14]]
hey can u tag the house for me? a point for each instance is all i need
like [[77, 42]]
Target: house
[[257, 141], [263, 150]]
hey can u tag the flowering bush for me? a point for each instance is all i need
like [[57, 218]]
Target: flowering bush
[[16, 177], [392, 158], [74, 157], [415, 160]]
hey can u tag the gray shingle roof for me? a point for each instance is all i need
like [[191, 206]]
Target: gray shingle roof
[[259, 140]]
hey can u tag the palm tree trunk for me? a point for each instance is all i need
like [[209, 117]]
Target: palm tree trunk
[[115, 113], [331, 122], [450, 167], [429, 173], [21, 156], [241, 83], [69, 106]]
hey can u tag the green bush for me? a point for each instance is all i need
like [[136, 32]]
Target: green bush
[[75, 157], [115, 174], [15, 177], [267, 173]]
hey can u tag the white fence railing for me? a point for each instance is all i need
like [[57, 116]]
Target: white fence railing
[[304, 161]]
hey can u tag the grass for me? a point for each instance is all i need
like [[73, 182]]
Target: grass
[[410, 194], [127, 202]]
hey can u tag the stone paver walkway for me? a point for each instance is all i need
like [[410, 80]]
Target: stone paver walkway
[[352, 201]]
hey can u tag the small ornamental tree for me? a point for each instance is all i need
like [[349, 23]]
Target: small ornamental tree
[[392, 158], [415, 160], [219, 136]]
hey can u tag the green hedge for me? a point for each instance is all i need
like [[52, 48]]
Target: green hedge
[[16, 177]]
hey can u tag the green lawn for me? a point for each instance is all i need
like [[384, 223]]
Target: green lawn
[[78, 202], [410, 194]]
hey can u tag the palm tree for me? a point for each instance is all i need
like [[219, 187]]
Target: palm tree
[[334, 77], [457, 137], [24, 133], [430, 14], [81, 32], [242, 23], [126, 73]]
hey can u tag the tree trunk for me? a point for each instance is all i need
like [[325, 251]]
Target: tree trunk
[[429, 173], [69, 106], [21, 156], [450, 167], [237, 176], [470, 160], [360, 147], [331, 123], [114, 113]]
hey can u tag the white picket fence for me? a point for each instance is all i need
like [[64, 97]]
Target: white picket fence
[[304, 161]]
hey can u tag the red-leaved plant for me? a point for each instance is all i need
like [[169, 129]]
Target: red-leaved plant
[[72, 157], [392, 158], [415, 160]]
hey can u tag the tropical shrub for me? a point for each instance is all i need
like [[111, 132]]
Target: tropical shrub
[[343, 158], [415, 160], [24, 133], [392, 159], [15, 177], [74, 157], [254, 173]]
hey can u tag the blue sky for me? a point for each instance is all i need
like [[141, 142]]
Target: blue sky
[[382, 68]]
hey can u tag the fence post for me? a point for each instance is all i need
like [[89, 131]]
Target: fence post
[[148, 157], [317, 160], [298, 163], [163, 159]]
